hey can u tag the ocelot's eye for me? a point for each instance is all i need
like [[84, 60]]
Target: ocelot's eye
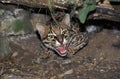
[[51, 37], [65, 33]]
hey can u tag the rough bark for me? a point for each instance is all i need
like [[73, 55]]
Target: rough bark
[[103, 11]]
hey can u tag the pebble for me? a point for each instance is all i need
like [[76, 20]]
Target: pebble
[[66, 73], [65, 62]]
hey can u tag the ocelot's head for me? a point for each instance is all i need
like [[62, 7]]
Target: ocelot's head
[[56, 37]]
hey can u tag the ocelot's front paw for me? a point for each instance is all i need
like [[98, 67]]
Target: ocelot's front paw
[[46, 54]]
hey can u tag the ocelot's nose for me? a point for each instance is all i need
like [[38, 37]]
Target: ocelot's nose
[[60, 39]]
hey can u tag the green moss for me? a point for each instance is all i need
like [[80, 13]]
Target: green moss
[[21, 26], [17, 25]]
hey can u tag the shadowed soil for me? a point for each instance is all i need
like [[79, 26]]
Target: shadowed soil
[[100, 59]]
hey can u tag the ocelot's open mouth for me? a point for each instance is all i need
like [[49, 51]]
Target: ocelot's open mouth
[[62, 50]]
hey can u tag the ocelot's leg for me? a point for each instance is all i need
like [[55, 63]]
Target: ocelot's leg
[[77, 41], [45, 52]]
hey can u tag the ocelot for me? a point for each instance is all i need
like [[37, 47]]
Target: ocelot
[[61, 38]]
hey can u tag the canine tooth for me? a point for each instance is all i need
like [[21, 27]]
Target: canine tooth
[[57, 43]]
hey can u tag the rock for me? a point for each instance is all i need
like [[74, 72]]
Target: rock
[[91, 29], [15, 22], [65, 73], [4, 47], [68, 72], [64, 62], [53, 77]]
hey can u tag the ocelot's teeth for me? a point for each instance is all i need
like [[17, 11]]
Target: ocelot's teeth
[[57, 43], [61, 50]]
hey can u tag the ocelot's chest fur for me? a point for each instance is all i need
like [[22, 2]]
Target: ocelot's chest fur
[[61, 39]]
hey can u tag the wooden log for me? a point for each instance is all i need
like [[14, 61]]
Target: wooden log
[[57, 4], [105, 13], [101, 12]]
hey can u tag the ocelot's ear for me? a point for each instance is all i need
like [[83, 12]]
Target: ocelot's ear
[[66, 20], [42, 29]]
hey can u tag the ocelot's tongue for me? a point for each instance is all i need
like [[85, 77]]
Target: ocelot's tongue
[[62, 49]]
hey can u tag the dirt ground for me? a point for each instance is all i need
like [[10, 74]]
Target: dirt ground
[[100, 59]]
